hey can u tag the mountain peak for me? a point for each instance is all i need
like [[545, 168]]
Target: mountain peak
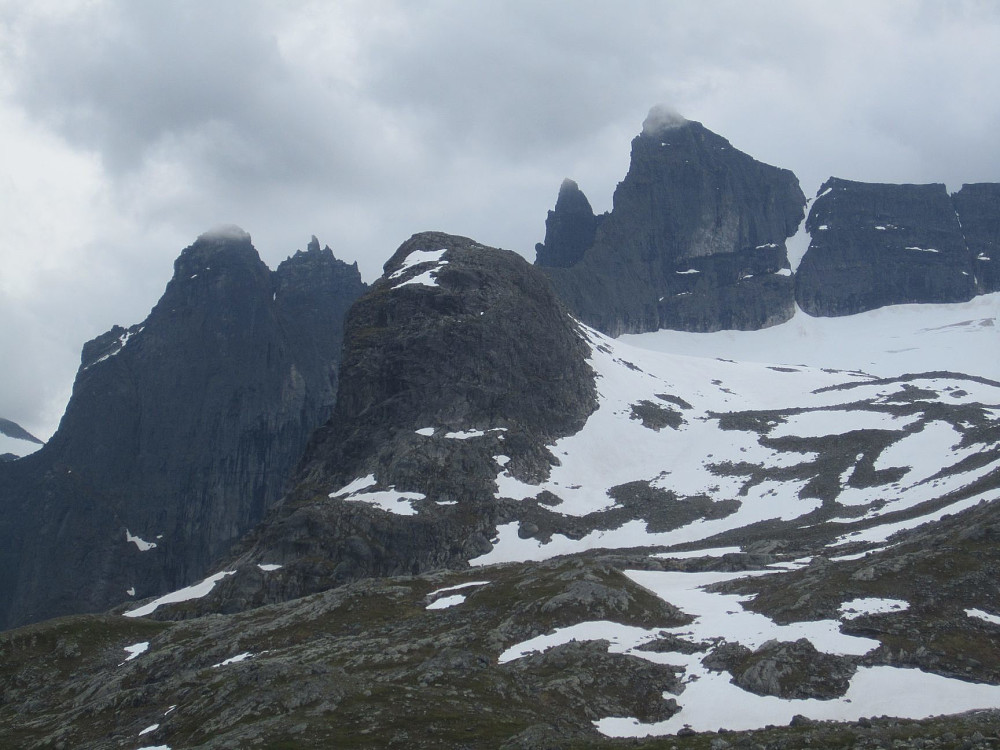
[[224, 232], [662, 118]]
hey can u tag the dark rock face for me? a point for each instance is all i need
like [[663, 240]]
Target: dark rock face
[[978, 208], [569, 229], [458, 361], [787, 670], [876, 244], [695, 241], [180, 433]]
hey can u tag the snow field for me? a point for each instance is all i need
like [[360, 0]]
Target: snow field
[[195, 591], [390, 500], [711, 701]]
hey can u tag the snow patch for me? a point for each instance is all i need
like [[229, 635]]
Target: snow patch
[[142, 544], [234, 659], [465, 434], [985, 616], [447, 601], [195, 591], [871, 606], [419, 258], [136, 649]]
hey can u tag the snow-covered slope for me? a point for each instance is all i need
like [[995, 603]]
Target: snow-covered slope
[[832, 463], [889, 341]]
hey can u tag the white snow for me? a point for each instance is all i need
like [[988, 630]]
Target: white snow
[[418, 258], [962, 337], [689, 271], [123, 339], [837, 422], [711, 701], [155, 747], [195, 591], [390, 500], [447, 601], [268, 567], [425, 431], [882, 533], [234, 659], [871, 606], [823, 227], [924, 249], [361, 483], [465, 434], [458, 587], [722, 615], [985, 616], [135, 650], [797, 244], [130, 591], [150, 728], [142, 544]]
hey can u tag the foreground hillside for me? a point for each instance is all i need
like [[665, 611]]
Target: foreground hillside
[[616, 544]]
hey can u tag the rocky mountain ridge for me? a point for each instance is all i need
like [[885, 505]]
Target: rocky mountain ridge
[[696, 241]]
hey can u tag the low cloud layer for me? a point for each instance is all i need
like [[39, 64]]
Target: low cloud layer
[[131, 128]]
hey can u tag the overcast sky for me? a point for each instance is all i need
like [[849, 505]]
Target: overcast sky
[[128, 128]]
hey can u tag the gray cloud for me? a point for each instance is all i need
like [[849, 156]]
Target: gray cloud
[[134, 127]]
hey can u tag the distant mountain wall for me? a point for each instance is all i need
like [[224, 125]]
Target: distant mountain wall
[[696, 241], [180, 433], [874, 245]]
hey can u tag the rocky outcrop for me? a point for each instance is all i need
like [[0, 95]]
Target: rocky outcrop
[[459, 361], [978, 208], [876, 244], [181, 431], [695, 241]]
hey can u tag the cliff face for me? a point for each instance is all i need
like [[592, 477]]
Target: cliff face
[[978, 208], [180, 433], [695, 241], [875, 245]]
